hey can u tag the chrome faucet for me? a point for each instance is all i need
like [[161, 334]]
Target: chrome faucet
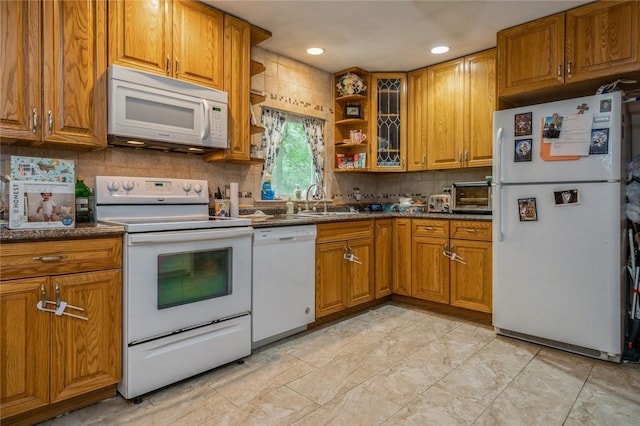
[[322, 194]]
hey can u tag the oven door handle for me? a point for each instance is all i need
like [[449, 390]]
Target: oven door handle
[[186, 236]]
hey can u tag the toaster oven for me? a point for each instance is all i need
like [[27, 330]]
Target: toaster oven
[[471, 197]]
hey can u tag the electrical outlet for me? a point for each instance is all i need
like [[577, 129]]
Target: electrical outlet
[[446, 190]]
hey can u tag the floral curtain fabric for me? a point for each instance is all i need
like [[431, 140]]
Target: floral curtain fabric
[[313, 128], [273, 121]]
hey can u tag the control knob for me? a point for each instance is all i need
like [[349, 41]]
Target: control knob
[[113, 186], [186, 187], [128, 185]]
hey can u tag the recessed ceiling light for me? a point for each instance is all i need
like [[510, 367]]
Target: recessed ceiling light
[[438, 50], [315, 51]]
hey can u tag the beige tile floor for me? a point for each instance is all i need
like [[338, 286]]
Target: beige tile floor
[[392, 365]]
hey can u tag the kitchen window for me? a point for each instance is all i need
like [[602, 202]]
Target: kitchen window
[[294, 151]]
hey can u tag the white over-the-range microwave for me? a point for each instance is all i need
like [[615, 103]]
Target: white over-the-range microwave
[[153, 111]]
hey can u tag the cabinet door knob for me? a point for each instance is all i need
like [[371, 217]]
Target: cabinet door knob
[[50, 114], [43, 295], [58, 298], [34, 114], [560, 71], [569, 70], [177, 67], [168, 70]]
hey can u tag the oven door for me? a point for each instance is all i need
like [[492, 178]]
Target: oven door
[[177, 280]]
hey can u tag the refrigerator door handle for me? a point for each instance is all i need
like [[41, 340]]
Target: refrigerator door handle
[[497, 208], [497, 183], [497, 172]]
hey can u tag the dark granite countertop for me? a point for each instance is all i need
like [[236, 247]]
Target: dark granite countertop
[[81, 230], [290, 220], [93, 230]]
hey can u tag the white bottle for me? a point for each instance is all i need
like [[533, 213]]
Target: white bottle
[[298, 193], [289, 205]]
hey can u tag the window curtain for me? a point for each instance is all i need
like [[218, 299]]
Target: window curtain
[[313, 130], [273, 121]]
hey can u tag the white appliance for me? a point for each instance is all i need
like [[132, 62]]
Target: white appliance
[[284, 277], [186, 287], [559, 227], [154, 111]]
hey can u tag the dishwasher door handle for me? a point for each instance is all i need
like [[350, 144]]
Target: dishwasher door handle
[[287, 238]]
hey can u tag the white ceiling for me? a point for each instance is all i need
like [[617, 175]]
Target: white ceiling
[[391, 35]]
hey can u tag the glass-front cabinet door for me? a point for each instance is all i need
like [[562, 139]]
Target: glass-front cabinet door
[[389, 122]]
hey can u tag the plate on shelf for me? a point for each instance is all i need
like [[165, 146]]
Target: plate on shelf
[[350, 84]]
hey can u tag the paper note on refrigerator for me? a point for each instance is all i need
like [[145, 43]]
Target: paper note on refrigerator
[[574, 137]]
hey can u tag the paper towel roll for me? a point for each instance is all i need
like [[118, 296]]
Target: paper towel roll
[[233, 205]]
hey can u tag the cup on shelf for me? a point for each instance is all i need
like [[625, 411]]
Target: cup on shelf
[[357, 136]]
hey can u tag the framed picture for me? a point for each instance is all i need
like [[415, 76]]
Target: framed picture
[[527, 209], [599, 141], [353, 111], [566, 198], [522, 150], [522, 124], [605, 105], [552, 126]]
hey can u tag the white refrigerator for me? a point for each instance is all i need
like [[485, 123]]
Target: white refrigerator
[[559, 226]]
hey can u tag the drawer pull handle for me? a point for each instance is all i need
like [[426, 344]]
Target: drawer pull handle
[[49, 259], [472, 230], [429, 228]]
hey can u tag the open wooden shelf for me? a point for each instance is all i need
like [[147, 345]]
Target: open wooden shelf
[[257, 98], [256, 129], [256, 67]]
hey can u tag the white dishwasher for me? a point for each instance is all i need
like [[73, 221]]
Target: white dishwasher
[[284, 287]]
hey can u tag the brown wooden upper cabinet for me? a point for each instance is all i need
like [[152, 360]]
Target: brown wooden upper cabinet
[[51, 73], [589, 42], [237, 81], [461, 98], [417, 120], [177, 38]]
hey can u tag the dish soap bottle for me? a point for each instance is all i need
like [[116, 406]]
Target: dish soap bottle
[[298, 193], [267, 192], [83, 213], [289, 205]]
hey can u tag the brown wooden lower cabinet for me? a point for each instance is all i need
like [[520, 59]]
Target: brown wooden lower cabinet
[[383, 257], [422, 250], [51, 364], [342, 283], [471, 282]]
